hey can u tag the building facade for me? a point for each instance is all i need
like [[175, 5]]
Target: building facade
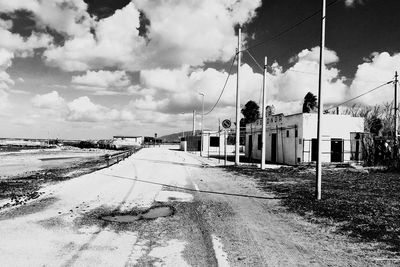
[[292, 139], [127, 141]]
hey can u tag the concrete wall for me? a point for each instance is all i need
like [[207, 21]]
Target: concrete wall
[[291, 148]]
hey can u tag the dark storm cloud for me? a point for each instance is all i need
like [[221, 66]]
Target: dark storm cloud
[[105, 8]]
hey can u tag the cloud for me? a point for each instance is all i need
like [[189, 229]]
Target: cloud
[[21, 46], [65, 16], [294, 83], [198, 32], [351, 3], [83, 109], [312, 55], [376, 70], [102, 81], [50, 100], [176, 90]]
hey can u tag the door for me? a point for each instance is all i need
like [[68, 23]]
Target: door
[[314, 149], [337, 150], [273, 147], [250, 146], [199, 145]]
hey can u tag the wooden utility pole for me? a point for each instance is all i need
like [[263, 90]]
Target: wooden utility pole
[[395, 143], [320, 104], [264, 115], [237, 143]]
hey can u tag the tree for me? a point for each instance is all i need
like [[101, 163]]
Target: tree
[[251, 112], [310, 103], [375, 124]]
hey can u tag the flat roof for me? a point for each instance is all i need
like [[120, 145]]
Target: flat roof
[[126, 136]]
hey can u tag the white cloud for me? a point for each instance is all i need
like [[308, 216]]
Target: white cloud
[[351, 3], [312, 55], [376, 70], [66, 16], [50, 100], [199, 31], [105, 82], [83, 109]]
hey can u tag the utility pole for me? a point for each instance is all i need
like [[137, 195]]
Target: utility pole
[[237, 143], [202, 120], [264, 115], [320, 104], [194, 122], [395, 143]]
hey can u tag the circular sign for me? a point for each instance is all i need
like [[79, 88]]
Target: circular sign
[[226, 124]]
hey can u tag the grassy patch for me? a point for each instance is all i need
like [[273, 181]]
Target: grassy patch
[[364, 205]]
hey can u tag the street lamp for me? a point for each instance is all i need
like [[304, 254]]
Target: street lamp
[[202, 117], [183, 130]]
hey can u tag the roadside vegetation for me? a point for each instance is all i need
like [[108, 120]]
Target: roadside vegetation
[[360, 203]]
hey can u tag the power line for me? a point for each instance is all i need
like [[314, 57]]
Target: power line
[[261, 68], [345, 102], [223, 88], [290, 28]]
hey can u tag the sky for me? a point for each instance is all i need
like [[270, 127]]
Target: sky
[[91, 69]]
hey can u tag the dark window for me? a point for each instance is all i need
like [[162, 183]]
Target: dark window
[[296, 133], [214, 141], [259, 141], [287, 133]]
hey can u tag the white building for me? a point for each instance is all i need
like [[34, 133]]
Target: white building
[[214, 143], [127, 141], [292, 139]]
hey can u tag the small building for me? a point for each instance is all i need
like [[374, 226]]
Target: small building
[[213, 143], [292, 139], [120, 141]]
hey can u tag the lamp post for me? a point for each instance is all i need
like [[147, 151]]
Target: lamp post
[[202, 120], [183, 130]]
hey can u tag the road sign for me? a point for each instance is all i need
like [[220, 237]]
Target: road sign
[[226, 124]]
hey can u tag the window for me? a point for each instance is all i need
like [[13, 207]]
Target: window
[[287, 133], [259, 141], [296, 133], [214, 141]]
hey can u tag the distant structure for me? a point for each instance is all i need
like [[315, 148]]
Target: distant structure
[[292, 139], [120, 141]]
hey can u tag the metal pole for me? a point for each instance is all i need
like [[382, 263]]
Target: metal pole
[[202, 119], [219, 140], [194, 123], [264, 119], [237, 143], [225, 147], [395, 149], [320, 103]]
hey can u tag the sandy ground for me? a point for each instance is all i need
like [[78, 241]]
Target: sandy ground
[[63, 227], [28, 160]]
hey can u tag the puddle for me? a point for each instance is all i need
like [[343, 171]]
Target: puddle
[[152, 213]]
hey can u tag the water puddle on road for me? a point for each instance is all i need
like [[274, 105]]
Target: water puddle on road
[[151, 213]]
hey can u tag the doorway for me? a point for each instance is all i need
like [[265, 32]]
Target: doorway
[[273, 147], [250, 146], [337, 150], [314, 149]]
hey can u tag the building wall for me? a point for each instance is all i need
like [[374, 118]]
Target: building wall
[[291, 148], [128, 141]]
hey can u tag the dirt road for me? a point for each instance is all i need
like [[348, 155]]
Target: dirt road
[[75, 222]]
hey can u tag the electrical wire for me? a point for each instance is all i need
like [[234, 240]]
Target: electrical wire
[[261, 68], [223, 88], [345, 102], [290, 28]]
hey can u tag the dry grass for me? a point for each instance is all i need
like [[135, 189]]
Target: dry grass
[[364, 205]]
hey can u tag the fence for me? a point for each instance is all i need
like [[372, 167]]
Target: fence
[[117, 157]]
